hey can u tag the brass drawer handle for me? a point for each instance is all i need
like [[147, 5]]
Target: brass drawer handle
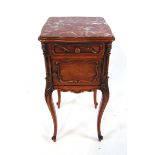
[[77, 50]]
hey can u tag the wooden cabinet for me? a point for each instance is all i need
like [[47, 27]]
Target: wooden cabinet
[[76, 52]]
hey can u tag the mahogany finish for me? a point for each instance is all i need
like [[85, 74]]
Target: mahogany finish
[[76, 52]]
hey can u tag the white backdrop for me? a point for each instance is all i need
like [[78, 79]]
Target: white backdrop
[[25, 122]]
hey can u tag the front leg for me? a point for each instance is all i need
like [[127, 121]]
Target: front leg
[[59, 98], [49, 101], [104, 101], [95, 101]]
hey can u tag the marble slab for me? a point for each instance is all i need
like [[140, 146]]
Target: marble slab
[[76, 27]]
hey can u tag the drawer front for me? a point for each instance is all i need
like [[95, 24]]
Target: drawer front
[[76, 48], [76, 72]]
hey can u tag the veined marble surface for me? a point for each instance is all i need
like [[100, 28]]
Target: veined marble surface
[[76, 27]]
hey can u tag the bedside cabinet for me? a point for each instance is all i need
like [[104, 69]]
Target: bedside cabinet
[[76, 52]]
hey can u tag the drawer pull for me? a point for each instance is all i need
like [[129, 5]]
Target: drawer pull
[[77, 50], [93, 51]]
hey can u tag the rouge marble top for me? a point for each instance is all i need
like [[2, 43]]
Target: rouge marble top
[[59, 28]]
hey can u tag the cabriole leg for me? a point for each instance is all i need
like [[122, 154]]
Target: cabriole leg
[[49, 101], [95, 102], [59, 98], [104, 101]]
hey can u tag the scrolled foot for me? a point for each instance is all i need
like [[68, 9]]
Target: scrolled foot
[[100, 137], [54, 138]]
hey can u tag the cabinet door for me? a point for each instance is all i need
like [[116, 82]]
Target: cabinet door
[[76, 72]]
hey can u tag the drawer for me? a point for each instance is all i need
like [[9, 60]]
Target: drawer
[[76, 48], [76, 72]]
